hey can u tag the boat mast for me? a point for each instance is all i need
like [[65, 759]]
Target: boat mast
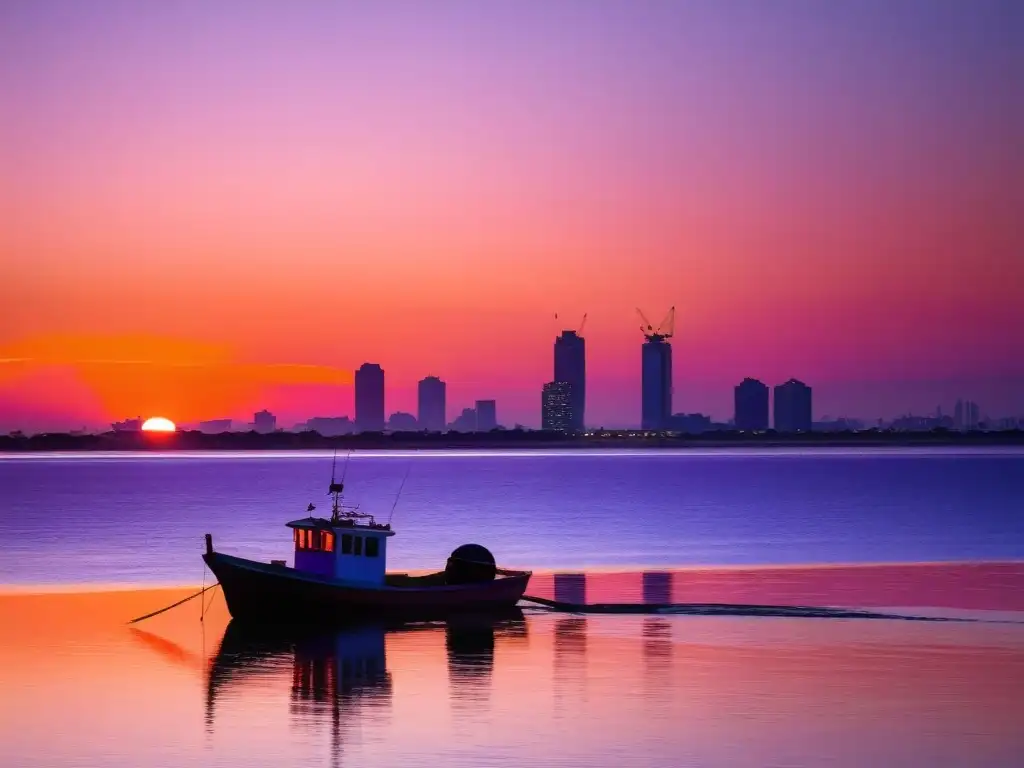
[[338, 488]]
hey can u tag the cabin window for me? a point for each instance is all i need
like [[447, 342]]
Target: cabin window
[[372, 546], [318, 541], [358, 545], [346, 543]]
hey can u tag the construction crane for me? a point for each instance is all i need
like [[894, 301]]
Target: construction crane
[[664, 331], [583, 322]]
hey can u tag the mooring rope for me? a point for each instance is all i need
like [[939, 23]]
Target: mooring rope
[[175, 605], [207, 604]]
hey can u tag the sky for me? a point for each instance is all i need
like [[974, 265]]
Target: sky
[[214, 206]]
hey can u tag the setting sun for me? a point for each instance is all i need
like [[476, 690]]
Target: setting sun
[[158, 424]]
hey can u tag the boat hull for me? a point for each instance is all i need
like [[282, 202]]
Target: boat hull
[[262, 592]]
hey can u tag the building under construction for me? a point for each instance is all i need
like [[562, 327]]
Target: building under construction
[[656, 367]]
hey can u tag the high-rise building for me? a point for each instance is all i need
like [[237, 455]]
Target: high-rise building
[[656, 366], [486, 415], [793, 407], [431, 412], [370, 398], [751, 405], [571, 367], [556, 406], [966, 415], [972, 415], [264, 421]]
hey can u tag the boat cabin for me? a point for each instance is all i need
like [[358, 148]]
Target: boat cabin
[[350, 546]]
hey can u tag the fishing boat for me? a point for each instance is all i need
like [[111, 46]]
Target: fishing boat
[[339, 575]]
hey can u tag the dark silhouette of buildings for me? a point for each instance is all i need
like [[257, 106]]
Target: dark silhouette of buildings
[[402, 422], [556, 407], [465, 421], [793, 407], [431, 406], [656, 370], [264, 422], [128, 425], [486, 415], [751, 406], [656, 362], [215, 426], [370, 398], [331, 426], [966, 415], [571, 367], [690, 423]]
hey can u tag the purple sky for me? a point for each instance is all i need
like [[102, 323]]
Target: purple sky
[[826, 190]]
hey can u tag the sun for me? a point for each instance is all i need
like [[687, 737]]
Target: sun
[[158, 424]]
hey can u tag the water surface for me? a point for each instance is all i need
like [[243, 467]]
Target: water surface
[[82, 689], [936, 533], [141, 519]]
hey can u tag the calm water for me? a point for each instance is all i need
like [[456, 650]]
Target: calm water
[[141, 519], [82, 689]]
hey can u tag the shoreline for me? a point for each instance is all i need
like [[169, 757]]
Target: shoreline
[[519, 440]]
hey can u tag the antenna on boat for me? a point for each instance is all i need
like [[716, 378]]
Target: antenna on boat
[[344, 469], [337, 488], [398, 495]]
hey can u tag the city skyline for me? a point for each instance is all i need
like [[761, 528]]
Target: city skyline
[[372, 412], [207, 217], [784, 408]]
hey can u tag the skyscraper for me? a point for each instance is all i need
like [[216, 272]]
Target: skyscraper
[[973, 415], [793, 407], [656, 365], [571, 368], [486, 415], [556, 406], [431, 408], [751, 405], [370, 398]]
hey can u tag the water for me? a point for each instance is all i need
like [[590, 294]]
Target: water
[[141, 519], [911, 532], [81, 689]]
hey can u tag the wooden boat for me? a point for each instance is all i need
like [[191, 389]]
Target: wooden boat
[[339, 575]]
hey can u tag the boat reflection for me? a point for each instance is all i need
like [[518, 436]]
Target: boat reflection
[[337, 674], [469, 647]]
